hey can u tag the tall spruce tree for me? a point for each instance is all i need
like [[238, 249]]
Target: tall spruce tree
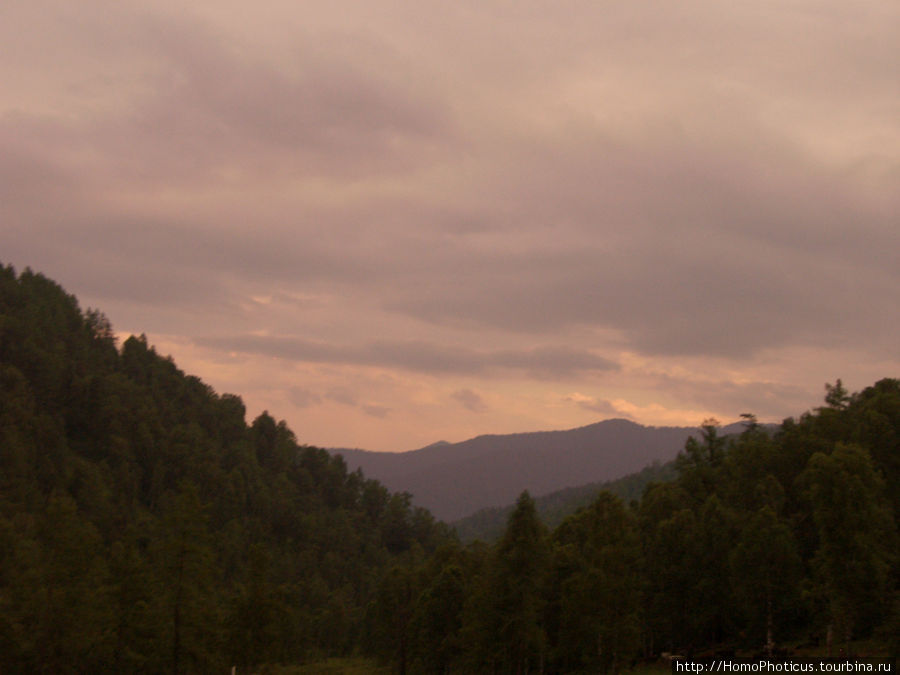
[[518, 579], [598, 553]]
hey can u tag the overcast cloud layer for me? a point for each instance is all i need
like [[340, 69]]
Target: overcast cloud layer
[[394, 222]]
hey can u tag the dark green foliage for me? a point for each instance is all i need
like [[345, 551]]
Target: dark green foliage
[[505, 629], [761, 540], [517, 586], [597, 566], [857, 540], [56, 596], [145, 527], [766, 571], [766, 538], [437, 621], [554, 508], [391, 614]]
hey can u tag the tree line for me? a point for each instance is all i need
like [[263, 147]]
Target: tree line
[[146, 527], [762, 543], [489, 523]]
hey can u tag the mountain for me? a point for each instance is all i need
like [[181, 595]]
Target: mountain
[[454, 480], [488, 524], [146, 527]]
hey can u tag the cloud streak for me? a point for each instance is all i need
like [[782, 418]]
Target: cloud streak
[[543, 362]]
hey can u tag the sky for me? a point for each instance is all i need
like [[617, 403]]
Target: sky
[[391, 223]]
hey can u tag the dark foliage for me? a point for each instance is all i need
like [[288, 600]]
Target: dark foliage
[[145, 527], [759, 542]]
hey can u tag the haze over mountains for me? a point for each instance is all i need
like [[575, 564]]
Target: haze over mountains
[[454, 480]]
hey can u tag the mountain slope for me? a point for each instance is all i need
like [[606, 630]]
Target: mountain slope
[[488, 524], [146, 527], [454, 480]]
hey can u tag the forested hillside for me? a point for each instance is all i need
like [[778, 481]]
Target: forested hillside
[[489, 524], [145, 527], [761, 542]]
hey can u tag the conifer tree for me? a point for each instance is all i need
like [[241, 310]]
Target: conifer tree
[[857, 539], [518, 576], [766, 568], [599, 552]]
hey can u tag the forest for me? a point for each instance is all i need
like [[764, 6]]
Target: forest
[[146, 527]]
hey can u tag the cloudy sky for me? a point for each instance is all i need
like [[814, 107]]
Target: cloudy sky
[[396, 222]]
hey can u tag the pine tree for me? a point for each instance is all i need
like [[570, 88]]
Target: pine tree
[[766, 568], [598, 556], [857, 538], [518, 576], [188, 578]]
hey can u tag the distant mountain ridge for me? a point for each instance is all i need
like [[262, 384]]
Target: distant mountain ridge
[[489, 524], [454, 480]]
